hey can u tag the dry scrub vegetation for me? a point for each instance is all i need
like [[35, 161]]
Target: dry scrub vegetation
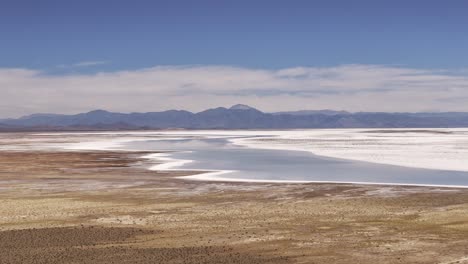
[[105, 207]]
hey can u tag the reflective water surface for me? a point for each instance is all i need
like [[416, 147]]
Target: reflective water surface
[[260, 164]]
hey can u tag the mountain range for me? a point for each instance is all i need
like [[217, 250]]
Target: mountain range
[[236, 117]]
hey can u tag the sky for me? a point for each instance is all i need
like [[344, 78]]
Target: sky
[[138, 56]]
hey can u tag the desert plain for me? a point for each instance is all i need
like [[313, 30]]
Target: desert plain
[[82, 206]]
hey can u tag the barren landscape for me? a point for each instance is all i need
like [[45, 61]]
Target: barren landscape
[[233, 132], [83, 206]]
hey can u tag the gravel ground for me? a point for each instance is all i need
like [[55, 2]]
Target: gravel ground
[[105, 207]]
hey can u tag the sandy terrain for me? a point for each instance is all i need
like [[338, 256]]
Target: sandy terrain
[[106, 207]]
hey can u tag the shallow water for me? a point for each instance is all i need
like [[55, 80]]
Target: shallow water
[[217, 154]]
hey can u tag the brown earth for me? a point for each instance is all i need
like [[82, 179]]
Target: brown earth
[[105, 207]]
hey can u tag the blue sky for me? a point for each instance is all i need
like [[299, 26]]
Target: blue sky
[[73, 56], [259, 34]]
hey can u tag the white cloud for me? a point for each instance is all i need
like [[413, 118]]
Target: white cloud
[[82, 64], [89, 63], [348, 87]]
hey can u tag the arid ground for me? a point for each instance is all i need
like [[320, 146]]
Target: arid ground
[[106, 207]]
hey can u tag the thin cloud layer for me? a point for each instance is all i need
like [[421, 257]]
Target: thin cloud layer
[[347, 87], [82, 64]]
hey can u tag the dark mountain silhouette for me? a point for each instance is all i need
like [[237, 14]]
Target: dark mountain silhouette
[[241, 107], [313, 112], [237, 117]]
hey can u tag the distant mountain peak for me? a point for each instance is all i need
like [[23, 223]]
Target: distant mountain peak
[[241, 107], [98, 111]]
